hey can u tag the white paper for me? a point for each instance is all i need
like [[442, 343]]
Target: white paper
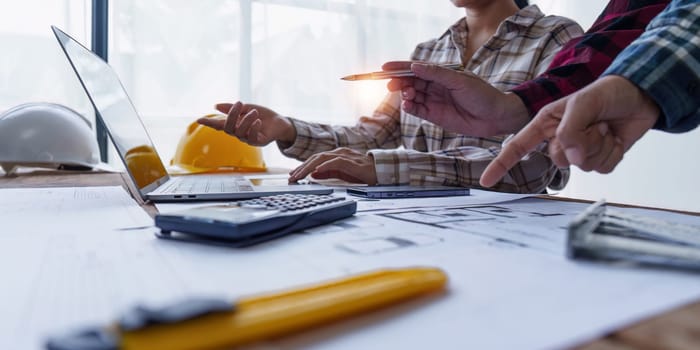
[[77, 257], [510, 286], [73, 208]]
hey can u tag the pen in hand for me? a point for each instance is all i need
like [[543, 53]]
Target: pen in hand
[[390, 74]]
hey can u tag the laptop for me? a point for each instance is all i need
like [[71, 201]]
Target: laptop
[[146, 170]]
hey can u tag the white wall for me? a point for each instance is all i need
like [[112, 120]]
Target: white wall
[[584, 12], [661, 170]]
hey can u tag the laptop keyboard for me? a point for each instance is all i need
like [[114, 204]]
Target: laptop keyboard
[[202, 184]]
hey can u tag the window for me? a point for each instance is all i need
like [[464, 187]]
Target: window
[[177, 58], [32, 66]]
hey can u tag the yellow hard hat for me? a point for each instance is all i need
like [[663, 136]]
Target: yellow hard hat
[[144, 165], [203, 150]]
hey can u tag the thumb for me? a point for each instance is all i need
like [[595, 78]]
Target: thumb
[[575, 134], [449, 78], [223, 107], [396, 65]]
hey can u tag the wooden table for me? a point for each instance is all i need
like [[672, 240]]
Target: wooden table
[[676, 329]]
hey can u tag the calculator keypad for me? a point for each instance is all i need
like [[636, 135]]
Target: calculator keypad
[[289, 202]]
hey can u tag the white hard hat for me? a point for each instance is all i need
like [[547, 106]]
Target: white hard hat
[[46, 135]]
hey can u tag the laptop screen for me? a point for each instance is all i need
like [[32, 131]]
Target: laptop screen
[[118, 114]]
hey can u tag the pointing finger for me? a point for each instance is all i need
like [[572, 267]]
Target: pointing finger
[[541, 128]]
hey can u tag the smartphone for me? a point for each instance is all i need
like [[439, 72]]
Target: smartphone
[[404, 191]]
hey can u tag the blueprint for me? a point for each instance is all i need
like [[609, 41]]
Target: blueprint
[[90, 253]]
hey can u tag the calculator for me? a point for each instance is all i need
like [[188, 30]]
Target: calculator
[[252, 221]]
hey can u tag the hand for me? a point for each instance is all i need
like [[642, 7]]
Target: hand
[[591, 129], [252, 124], [458, 101], [342, 163]]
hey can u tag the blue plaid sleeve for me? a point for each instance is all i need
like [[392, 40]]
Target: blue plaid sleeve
[[665, 63]]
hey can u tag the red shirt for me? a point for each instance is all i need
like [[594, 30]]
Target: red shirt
[[584, 59]]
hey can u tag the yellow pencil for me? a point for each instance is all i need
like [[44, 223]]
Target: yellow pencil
[[389, 74], [267, 316]]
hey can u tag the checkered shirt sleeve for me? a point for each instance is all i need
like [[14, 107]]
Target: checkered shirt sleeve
[[665, 63], [584, 59]]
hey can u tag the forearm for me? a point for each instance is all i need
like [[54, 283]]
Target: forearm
[[312, 138], [663, 63], [463, 167], [381, 130]]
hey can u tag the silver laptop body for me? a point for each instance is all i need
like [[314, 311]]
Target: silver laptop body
[[145, 168]]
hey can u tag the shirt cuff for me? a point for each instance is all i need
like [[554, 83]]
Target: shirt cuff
[[663, 74], [391, 167], [677, 96], [537, 93], [301, 144]]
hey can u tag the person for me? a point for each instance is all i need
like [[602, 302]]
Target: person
[[465, 104], [496, 41], [653, 83]]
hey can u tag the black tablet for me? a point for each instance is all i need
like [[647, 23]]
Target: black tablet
[[380, 192]]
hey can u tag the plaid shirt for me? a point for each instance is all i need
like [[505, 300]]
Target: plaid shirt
[[665, 62], [585, 58], [521, 48]]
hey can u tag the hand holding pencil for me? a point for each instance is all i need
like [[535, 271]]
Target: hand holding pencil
[[459, 101], [394, 73]]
